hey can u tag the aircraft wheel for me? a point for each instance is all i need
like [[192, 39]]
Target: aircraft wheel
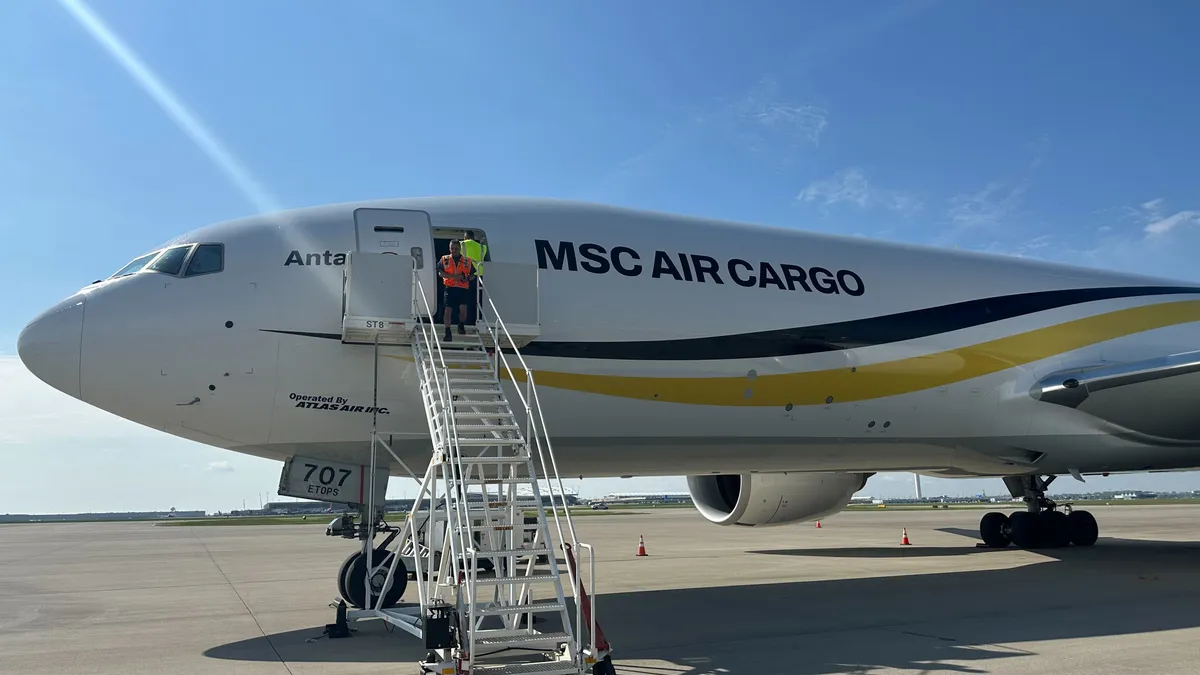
[[1023, 529], [355, 572], [1083, 528], [992, 529], [1055, 529], [341, 576]]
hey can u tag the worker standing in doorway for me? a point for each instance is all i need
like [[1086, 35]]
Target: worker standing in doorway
[[456, 271], [477, 252]]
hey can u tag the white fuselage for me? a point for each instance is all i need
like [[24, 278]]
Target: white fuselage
[[669, 345]]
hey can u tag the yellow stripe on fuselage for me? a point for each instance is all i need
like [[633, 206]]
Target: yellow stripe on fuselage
[[878, 380]]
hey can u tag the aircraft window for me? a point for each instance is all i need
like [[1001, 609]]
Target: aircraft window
[[171, 261], [207, 259], [135, 266]]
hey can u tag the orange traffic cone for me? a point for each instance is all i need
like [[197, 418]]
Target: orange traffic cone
[[904, 538], [641, 546], [818, 524]]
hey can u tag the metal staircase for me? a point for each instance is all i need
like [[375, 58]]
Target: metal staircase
[[479, 527]]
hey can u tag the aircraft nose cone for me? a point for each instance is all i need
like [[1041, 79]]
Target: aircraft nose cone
[[50, 345]]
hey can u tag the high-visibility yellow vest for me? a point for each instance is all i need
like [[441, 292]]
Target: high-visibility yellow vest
[[476, 252]]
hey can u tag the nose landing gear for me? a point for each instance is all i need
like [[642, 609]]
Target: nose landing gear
[[1041, 525]]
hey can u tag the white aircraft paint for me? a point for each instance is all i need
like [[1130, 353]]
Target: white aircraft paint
[[228, 357]]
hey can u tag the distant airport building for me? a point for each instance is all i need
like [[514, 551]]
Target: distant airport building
[[646, 498], [78, 517]]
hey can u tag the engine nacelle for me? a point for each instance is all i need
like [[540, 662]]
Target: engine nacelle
[[773, 498]]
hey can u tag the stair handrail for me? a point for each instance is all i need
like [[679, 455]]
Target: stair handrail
[[533, 412], [447, 411]]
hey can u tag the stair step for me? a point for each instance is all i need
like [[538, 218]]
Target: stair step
[[462, 403], [522, 481], [482, 416], [493, 392], [524, 579], [473, 374], [494, 511], [520, 504], [506, 527], [533, 668], [482, 639], [498, 512], [485, 442], [485, 428], [467, 356], [545, 606], [475, 482], [518, 552], [465, 403], [493, 459], [459, 342], [456, 348]]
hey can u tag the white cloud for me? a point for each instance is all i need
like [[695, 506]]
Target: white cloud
[[1155, 219], [850, 186], [763, 120], [1039, 242], [766, 108], [220, 467], [988, 207], [997, 204], [1171, 222]]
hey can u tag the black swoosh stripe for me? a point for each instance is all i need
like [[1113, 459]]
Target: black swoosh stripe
[[858, 333], [871, 331], [323, 336]]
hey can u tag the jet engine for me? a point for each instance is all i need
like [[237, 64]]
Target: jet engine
[[773, 498]]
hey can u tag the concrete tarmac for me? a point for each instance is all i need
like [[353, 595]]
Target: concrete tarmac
[[132, 598]]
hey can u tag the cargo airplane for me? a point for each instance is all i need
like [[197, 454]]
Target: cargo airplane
[[778, 369]]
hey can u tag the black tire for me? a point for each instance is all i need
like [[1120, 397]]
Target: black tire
[[1055, 529], [1083, 528], [1023, 530], [341, 575], [353, 579], [992, 529]]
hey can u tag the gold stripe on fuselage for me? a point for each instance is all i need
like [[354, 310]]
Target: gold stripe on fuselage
[[890, 378]]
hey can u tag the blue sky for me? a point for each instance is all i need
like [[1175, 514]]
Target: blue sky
[[1063, 131]]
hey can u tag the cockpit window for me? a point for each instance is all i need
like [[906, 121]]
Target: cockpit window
[[207, 259], [135, 266], [171, 261]]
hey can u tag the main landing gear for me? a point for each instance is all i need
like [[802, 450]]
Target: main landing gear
[[352, 576], [1041, 525]]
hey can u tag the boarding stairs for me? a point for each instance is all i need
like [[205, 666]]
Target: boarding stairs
[[469, 541]]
